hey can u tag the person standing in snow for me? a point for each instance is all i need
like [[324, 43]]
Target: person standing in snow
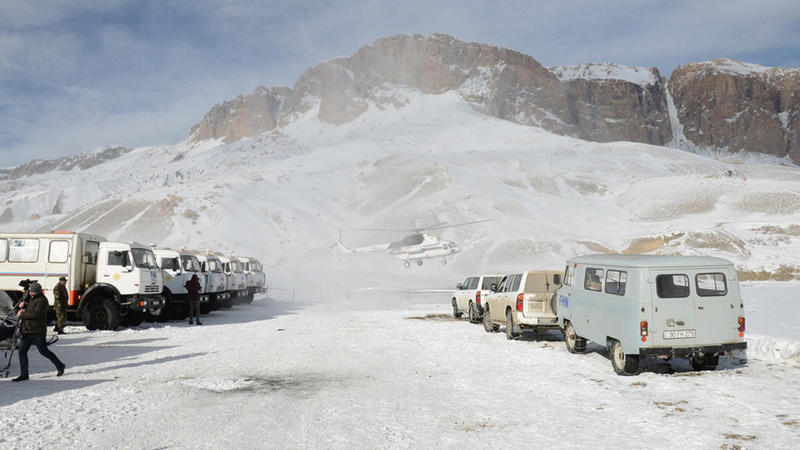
[[193, 287], [33, 313], [60, 304]]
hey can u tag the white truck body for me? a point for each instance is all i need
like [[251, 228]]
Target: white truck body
[[215, 279], [109, 283], [237, 282]]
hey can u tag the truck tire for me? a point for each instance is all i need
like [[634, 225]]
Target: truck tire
[[102, 315], [575, 343], [554, 303], [133, 318], [510, 334], [205, 308], [456, 314], [623, 364]]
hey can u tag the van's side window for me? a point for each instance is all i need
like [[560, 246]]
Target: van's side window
[[672, 286], [23, 250], [90, 249], [616, 281], [711, 284], [3, 249], [473, 283], [569, 273], [593, 280], [59, 251]]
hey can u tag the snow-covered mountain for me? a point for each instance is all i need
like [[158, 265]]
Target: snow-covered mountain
[[716, 106], [430, 158]]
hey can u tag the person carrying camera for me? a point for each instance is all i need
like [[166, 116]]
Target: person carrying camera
[[33, 312]]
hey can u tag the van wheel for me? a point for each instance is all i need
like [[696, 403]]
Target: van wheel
[[487, 324], [456, 314], [575, 343], [510, 334], [623, 364], [704, 362]]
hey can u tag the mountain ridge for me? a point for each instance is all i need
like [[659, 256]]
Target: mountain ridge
[[514, 86]]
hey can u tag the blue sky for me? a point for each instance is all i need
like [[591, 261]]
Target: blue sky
[[75, 76]]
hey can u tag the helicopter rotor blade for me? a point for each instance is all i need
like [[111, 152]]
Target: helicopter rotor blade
[[441, 226]]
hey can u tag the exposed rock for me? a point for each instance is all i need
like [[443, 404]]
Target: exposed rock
[[728, 104], [242, 116], [189, 214], [496, 81], [80, 161], [722, 105]]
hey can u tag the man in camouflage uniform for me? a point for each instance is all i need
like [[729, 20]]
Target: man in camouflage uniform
[[61, 297]]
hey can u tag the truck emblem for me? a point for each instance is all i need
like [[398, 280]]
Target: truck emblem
[[116, 277]]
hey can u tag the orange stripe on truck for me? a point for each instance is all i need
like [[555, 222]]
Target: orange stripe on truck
[[73, 298]]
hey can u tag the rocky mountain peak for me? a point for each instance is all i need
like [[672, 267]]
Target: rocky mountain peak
[[599, 102]]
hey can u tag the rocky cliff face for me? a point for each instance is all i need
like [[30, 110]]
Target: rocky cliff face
[[721, 105], [496, 81], [727, 104], [80, 161]]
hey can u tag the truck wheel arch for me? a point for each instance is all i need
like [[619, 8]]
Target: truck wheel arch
[[98, 291]]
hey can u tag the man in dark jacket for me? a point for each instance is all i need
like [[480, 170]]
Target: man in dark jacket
[[34, 328], [193, 287], [60, 299]]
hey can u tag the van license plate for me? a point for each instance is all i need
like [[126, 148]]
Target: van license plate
[[679, 334]]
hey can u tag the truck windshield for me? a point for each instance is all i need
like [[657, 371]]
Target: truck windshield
[[144, 259], [190, 263], [213, 266], [237, 268]]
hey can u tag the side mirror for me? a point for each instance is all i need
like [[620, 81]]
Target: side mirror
[[458, 286], [557, 279]]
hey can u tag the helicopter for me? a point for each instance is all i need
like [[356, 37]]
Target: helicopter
[[414, 248]]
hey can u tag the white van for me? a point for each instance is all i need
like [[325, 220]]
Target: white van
[[469, 294], [645, 305]]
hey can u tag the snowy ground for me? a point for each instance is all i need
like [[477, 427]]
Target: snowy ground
[[396, 373]]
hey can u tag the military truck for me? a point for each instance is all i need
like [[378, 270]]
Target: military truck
[[216, 283], [255, 279], [177, 268], [109, 283], [237, 282]]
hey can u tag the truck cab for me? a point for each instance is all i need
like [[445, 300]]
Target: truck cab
[[255, 279], [237, 283], [215, 279], [177, 268]]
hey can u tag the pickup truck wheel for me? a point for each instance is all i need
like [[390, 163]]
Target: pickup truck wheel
[[704, 362], [575, 343], [623, 364], [456, 314], [510, 334]]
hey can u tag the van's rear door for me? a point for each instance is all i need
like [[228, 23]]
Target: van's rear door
[[673, 309], [717, 306]]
